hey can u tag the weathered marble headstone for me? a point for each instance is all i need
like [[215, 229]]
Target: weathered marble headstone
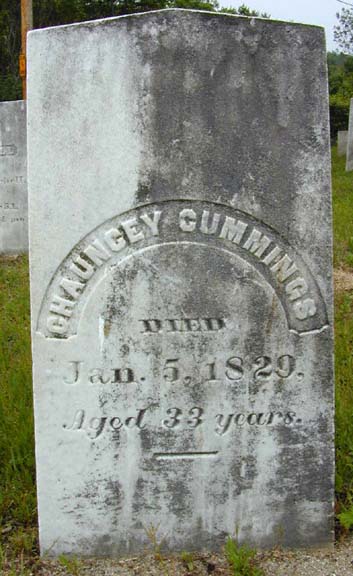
[[349, 157], [181, 283], [342, 139], [13, 178]]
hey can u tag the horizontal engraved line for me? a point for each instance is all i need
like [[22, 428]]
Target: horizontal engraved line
[[183, 455]]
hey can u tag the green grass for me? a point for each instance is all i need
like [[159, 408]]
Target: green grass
[[344, 401], [342, 185], [72, 565], [242, 559], [17, 477]]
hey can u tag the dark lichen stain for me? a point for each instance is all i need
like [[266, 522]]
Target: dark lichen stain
[[114, 498]]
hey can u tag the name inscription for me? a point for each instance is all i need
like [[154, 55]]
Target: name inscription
[[177, 222]]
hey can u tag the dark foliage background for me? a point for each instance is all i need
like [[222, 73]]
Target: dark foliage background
[[340, 67], [55, 12]]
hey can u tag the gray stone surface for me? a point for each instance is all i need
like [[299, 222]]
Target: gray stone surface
[[349, 158], [13, 178], [181, 283], [342, 139]]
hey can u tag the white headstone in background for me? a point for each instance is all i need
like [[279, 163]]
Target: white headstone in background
[[179, 170], [342, 139], [13, 178], [349, 158]]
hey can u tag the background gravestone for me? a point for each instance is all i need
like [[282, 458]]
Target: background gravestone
[[349, 158], [342, 138], [181, 283], [13, 178]]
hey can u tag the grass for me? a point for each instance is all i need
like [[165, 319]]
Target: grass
[[344, 406], [242, 559], [342, 185], [18, 521], [343, 258], [17, 478], [188, 560], [72, 565]]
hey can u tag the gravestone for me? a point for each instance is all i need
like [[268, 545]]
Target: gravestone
[[13, 178], [349, 158], [342, 139], [181, 289]]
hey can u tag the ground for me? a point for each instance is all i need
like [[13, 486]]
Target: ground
[[335, 562]]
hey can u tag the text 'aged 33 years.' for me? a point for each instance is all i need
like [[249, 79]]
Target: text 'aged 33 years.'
[[176, 418]]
